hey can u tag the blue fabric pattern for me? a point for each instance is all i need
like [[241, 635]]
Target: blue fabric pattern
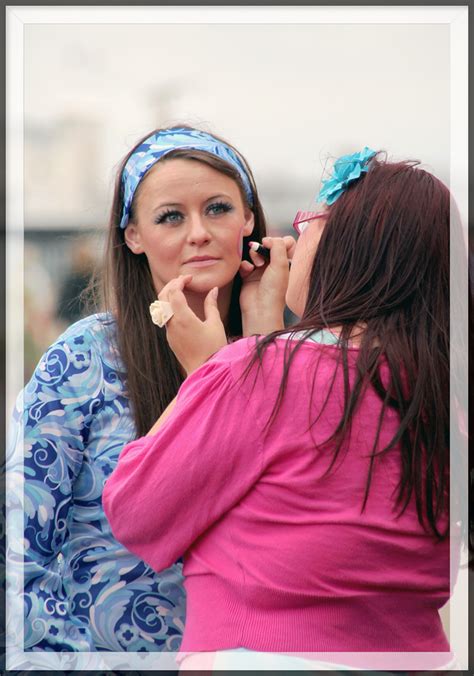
[[82, 590], [163, 142], [346, 170]]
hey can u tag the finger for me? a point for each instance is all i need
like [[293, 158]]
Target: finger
[[272, 242], [258, 260], [179, 304], [246, 268], [211, 310], [278, 252], [254, 275], [176, 283], [290, 243], [164, 293]]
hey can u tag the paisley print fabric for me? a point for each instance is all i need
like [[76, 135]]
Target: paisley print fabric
[[82, 590]]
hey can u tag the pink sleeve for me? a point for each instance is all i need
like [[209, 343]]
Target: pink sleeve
[[167, 489]]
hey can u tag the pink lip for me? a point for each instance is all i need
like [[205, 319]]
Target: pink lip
[[201, 261]]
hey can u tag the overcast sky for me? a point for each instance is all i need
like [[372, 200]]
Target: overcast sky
[[288, 96]]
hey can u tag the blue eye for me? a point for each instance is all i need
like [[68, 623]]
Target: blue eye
[[218, 208], [171, 216]]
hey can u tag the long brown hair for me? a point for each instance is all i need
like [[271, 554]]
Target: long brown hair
[[383, 263], [152, 371]]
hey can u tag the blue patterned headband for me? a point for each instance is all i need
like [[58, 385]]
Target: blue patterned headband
[[163, 142], [346, 170]]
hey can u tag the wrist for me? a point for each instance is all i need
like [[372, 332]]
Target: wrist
[[263, 323]]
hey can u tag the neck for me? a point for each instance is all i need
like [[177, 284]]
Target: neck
[[356, 333], [196, 303]]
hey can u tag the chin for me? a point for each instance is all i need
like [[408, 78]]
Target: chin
[[203, 283]]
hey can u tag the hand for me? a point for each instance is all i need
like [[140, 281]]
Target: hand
[[264, 285], [193, 341]]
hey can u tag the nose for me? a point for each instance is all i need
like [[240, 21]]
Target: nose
[[198, 232]]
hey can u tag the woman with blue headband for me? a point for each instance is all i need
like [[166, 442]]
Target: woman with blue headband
[[306, 473], [185, 202]]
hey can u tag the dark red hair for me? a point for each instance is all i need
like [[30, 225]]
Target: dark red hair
[[383, 263]]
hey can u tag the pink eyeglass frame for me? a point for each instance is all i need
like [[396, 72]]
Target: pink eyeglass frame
[[304, 217]]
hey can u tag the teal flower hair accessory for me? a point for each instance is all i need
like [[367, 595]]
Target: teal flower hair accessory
[[346, 169]]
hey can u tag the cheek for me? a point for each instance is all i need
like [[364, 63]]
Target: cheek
[[168, 245], [230, 241], [168, 253], [163, 255]]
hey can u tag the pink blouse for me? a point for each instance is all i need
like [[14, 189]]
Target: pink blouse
[[277, 554]]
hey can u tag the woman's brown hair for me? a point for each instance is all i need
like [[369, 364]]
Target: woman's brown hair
[[383, 263], [152, 371]]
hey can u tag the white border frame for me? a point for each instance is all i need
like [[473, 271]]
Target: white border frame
[[16, 18]]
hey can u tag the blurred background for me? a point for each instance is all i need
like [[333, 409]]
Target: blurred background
[[289, 97]]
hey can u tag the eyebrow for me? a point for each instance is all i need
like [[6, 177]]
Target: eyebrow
[[214, 197], [178, 205], [175, 205]]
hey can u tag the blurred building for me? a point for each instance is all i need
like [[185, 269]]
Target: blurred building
[[61, 181], [64, 226]]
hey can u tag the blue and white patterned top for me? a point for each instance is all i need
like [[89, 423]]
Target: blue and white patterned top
[[83, 591]]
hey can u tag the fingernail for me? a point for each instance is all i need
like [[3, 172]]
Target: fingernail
[[215, 292]]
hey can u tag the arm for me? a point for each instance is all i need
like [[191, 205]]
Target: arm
[[46, 448], [168, 489]]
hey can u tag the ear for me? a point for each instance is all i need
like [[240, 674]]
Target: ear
[[249, 223], [133, 239]]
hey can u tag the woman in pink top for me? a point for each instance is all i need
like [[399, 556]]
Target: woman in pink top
[[304, 475]]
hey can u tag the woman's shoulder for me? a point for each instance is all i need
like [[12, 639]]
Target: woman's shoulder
[[235, 350], [318, 354], [83, 351], [234, 355], [100, 325], [244, 348], [95, 334], [268, 361]]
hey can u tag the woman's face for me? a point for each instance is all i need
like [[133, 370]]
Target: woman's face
[[189, 219], [301, 265]]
